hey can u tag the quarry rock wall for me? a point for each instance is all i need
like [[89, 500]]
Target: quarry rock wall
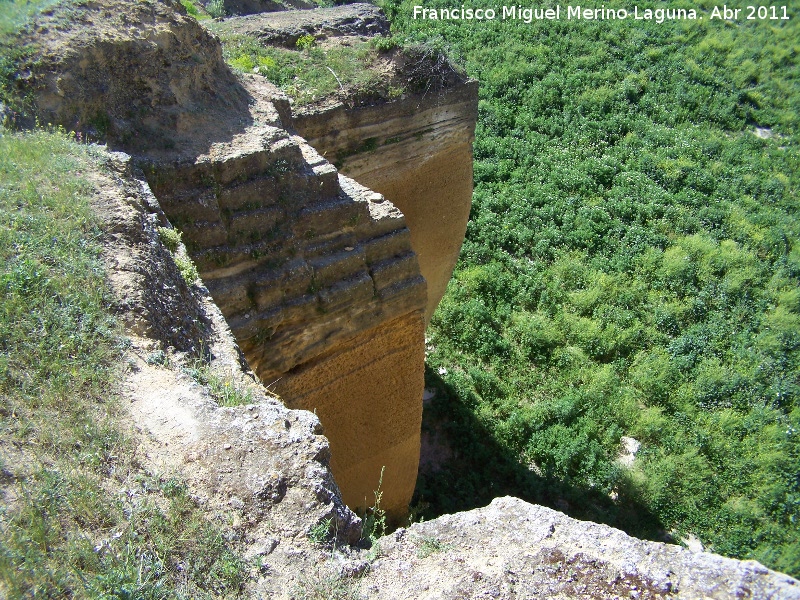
[[416, 151], [317, 279], [314, 273]]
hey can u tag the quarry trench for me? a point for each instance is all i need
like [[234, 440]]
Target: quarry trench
[[324, 279]]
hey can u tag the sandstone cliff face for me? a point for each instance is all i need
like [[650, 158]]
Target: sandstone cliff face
[[417, 151], [316, 276], [314, 272]]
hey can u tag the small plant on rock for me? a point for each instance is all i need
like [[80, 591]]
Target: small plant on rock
[[187, 268], [171, 238], [430, 545], [374, 520], [224, 390], [320, 533]]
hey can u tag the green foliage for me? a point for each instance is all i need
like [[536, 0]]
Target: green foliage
[[197, 10], [311, 72], [304, 42], [373, 524], [631, 267], [187, 268], [430, 545], [85, 521], [321, 532], [384, 43], [170, 237], [216, 8]]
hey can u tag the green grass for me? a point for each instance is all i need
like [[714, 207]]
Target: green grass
[[223, 389], [196, 10], [324, 583], [13, 15], [309, 73], [321, 532], [631, 267], [80, 518], [427, 545]]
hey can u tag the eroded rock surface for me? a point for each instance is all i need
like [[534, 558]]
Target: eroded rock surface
[[261, 468], [316, 276], [305, 264], [139, 75], [512, 549], [285, 28]]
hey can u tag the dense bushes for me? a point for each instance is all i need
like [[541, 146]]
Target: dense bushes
[[631, 268]]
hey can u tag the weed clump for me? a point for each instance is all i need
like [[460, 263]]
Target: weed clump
[[171, 238], [216, 8], [225, 390]]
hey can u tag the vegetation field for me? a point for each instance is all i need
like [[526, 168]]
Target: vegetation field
[[631, 268]]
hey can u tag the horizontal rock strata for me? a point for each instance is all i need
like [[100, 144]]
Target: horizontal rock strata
[[305, 264], [317, 279], [417, 151], [285, 28]]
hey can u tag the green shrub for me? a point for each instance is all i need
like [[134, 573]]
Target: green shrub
[[304, 42], [320, 532], [170, 237], [223, 389], [187, 268], [216, 8], [629, 268], [192, 8]]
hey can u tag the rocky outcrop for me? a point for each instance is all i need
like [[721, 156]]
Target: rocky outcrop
[[138, 75], [512, 549], [249, 7], [314, 273], [260, 469], [417, 151], [285, 28]]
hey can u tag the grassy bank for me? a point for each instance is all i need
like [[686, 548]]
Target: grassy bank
[[81, 517]]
